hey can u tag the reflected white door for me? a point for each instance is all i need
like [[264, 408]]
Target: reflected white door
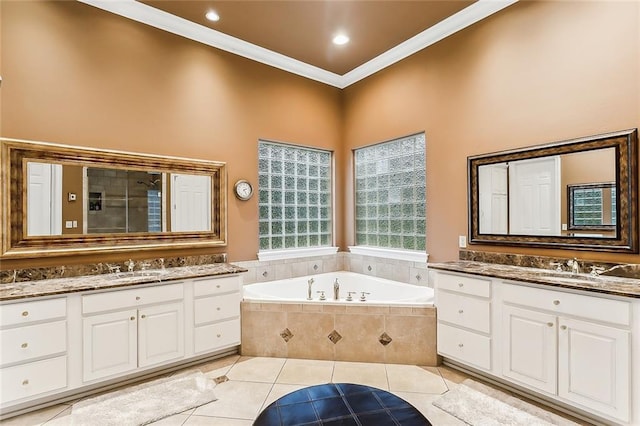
[[493, 206], [534, 196], [191, 203], [44, 199]]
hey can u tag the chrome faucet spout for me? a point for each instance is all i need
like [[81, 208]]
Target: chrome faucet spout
[[309, 283], [336, 290]]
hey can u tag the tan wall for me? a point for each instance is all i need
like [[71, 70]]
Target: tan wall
[[80, 76], [537, 72]]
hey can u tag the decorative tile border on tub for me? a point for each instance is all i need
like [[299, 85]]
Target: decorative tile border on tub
[[386, 334]]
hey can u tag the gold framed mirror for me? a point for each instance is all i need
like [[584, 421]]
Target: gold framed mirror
[[525, 197], [60, 200]]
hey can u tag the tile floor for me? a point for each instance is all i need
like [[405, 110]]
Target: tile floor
[[254, 383]]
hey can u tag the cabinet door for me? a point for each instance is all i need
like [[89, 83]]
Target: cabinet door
[[594, 367], [109, 344], [160, 333], [529, 347]]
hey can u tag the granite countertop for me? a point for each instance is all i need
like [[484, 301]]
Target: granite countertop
[[48, 287], [627, 287]]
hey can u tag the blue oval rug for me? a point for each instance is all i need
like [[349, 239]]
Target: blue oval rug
[[341, 404]]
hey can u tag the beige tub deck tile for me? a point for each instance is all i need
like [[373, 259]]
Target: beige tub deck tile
[[310, 331]]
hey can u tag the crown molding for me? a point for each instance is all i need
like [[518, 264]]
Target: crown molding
[[162, 20]]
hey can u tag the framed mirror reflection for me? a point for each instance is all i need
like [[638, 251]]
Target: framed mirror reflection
[[579, 194], [60, 199]]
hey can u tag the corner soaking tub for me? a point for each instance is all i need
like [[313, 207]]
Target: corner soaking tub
[[378, 291], [396, 324]]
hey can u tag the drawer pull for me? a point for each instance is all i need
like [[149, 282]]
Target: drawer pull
[[137, 297], [132, 318], [460, 311], [25, 313], [25, 382], [556, 302], [563, 327], [460, 285], [460, 345], [550, 324], [143, 316], [24, 345]]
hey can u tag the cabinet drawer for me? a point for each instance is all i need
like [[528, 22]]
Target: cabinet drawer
[[464, 284], [208, 286], [464, 346], [217, 336], [590, 307], [123, 299], [215, 308], [465, 311], [26, 343], [27, 312], [27, 380]]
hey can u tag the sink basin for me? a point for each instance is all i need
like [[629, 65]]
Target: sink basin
[[571, 277], [137, 275]]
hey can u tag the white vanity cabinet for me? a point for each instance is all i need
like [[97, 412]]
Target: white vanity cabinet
[[146, 328], [33, 348], [464, 319], [574, 347], [216, 308]]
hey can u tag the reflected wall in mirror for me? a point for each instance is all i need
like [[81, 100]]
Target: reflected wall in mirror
[[579, 194], [61, 200]]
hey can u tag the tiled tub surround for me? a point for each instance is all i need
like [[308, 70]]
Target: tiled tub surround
[[384, 334], [396, 326], [391, 269]]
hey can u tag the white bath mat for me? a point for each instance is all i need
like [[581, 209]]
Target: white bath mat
[[480, 405], [142, 404]]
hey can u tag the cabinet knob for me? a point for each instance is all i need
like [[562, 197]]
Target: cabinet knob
[[556, 302], [218, 308], [218, 335], [460, 311], [25, 382], [25, 313], [143, 316], [460, 345], [132, 318], [24, 345], [563, 327], [137, 297], [460, 285], [218, 286], [550, 324]]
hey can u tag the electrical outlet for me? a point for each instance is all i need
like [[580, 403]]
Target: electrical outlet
[[68, 224], [462, 241]]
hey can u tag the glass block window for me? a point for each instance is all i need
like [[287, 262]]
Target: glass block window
[[390, 191], [294, 190], [587, 207]]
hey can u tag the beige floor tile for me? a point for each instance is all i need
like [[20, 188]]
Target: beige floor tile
[[216, 421], [257, 370], [306, 372], [423, 402], [360, 373], [452, 375], [278, 391], [175, 420], [409, 378], [36, 417], [237, 400]]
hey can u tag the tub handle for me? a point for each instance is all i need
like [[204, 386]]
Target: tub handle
[[349, 297], [363, 297], [322, 296]]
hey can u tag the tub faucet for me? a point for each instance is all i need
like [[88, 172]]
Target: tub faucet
[[309, 283], [336, 290]]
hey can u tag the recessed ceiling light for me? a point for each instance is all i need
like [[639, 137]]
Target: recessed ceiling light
[[340, 39], [212, 16]]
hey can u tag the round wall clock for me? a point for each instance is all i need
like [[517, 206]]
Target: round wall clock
[[243, 190]]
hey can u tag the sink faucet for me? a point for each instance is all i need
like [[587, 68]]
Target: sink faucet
[[574, 265], [336, 290], [130, 265], [309, 283]]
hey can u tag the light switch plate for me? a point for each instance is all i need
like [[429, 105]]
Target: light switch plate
[[462, 241]]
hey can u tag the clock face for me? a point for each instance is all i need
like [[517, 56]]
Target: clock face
[[243, 190]]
